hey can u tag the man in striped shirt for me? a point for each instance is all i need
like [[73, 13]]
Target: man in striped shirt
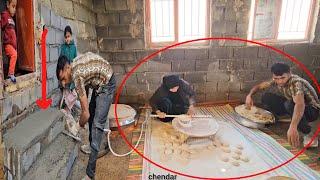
[[296, 98], [90, 71]]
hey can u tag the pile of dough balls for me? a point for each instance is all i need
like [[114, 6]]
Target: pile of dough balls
[[173, 144], [233, 155]]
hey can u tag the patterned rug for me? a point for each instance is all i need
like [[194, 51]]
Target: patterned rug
[[136, 161]]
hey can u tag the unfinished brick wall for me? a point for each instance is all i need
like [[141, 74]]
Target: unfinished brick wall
[[80, 15], [223, 70]]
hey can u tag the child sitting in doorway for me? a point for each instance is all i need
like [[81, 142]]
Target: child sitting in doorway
[[9, 37]]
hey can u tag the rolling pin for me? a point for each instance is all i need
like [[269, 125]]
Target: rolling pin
[[174, 116]]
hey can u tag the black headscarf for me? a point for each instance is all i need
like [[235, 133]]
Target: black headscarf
[[171, 81]]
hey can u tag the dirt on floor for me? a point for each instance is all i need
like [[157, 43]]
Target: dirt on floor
[[109, 166]]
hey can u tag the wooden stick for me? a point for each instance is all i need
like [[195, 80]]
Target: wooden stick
[[174, 116]]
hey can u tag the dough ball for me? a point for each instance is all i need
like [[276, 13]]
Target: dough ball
[[244, 159], [224, 158], [235, 163], [237, 151], [168, 151], [240, 147], [236, 157], [226, 150], [225, 144], [164, 158]]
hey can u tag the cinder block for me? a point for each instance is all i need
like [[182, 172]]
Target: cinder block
[[144, 54], [196, 77], [246, 52], [246, 86], [102, 32], [127, 17], [51, 37], [59, 37], [142, 68], [207, 65], [263, 52], [133, 90], [107, 56], [106, 19], [54, 53], [150, 78], [237, 96], [87, 3], [124, 56], [200, 98], [133, 44], [99, 6], [224, 26], [116, 5], [264, 75], [118, 68], [241, 27], [109, 44], [119, 31], [218, 76], [63, 24], [155, 66], [55, 20], [7, 107], [30, 156], [213, 97], [130, 81], [241, 75], [314, 49], [256, 64], [205, 88], [64, 8], [220, 52], [172, 54], [83, 45], [183, 66], [196, 54], [45, 14], [218, 13], [230, 14], [83, 14], [230, 64], [17, 102], [51, 70]]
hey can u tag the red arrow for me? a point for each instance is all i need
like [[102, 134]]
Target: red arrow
[[44, 103]]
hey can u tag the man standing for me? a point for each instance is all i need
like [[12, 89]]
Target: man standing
[[175, 96], [298, 99], [90, 71]]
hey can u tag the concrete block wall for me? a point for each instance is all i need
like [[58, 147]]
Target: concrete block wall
[[223, 70]]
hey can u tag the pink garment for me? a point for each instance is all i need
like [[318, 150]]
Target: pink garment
[[70, 98]]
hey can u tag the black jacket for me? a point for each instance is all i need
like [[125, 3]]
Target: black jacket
[[185, 92]]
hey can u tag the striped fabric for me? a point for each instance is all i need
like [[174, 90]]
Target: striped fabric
[[269, 146]]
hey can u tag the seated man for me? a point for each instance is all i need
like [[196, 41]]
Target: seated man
[[175, 96], [90, 71], [298, 99]]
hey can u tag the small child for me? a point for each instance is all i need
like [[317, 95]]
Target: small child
[[68, 48], [9, 37]]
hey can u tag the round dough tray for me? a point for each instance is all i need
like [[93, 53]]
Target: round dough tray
[[200, 127]]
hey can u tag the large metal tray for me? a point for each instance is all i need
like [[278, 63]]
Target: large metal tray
[[250, 123]]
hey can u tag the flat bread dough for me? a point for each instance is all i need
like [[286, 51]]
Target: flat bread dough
[[255, 114]]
